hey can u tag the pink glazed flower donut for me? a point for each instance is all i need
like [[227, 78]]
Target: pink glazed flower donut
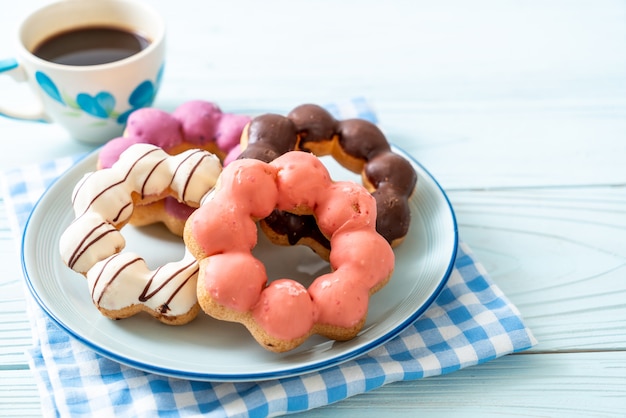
[[233, 284], [196, 124]]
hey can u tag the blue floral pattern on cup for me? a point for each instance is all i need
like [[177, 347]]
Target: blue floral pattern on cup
[[102, 105], [49, 87]]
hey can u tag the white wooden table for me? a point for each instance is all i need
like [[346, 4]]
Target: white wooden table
[[518, 108]]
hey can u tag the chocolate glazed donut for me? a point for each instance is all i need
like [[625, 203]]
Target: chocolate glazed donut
[[358, 145]]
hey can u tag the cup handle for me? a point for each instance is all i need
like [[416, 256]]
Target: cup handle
[[11, 67]]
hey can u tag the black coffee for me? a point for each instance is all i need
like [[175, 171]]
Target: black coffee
[[90, 46]]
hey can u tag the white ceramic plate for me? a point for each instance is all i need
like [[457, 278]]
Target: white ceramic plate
[[207, 349]]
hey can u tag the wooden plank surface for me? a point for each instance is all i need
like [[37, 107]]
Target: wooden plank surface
[[594, 388], [517, 108], [18, 394], [559, 254]]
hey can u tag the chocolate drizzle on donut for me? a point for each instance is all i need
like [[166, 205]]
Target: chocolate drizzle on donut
[[145, 182], [121, 283], [357, 144], [117, 183], [86, 242], [113, 277], [146, 295], [183, 194]]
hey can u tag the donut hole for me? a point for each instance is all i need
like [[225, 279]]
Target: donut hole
[[338, 172], [154, 243], [299, 262]]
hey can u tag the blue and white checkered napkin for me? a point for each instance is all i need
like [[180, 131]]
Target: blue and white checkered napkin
[[471, 322]]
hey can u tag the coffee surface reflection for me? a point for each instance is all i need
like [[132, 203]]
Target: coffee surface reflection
[[90, 46]]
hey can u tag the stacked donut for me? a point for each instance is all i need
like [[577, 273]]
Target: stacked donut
[[356, 144], [270, 176], [195, 124], [104, 201]]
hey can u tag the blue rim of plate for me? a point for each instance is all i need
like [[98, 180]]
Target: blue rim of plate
[[225, 377]]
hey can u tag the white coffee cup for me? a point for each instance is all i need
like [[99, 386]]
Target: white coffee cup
[[91, 102]]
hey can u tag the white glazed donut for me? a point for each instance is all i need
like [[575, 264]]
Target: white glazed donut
[[121, 284]]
